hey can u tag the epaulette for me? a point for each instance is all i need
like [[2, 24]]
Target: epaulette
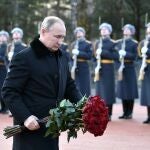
[[112, 40], [23, 44], [134, 40], [119, 40], [88, 41], [64, 43]]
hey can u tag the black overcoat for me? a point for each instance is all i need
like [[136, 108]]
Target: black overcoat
[[37, 81]]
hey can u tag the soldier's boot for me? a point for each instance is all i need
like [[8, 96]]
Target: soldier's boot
[[109, 111], [130, 105], [124, 106], [148, 119]]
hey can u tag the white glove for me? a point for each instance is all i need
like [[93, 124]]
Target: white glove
[[10, 55], [98, 51], [75, 52], [97, 69], [74, 57], [122, 53], [144, 50], [31, 123]]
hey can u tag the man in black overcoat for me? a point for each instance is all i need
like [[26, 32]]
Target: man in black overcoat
[[38, 80]]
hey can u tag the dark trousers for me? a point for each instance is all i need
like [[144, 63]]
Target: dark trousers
[[110, 109], [127, 107], [148, 112]]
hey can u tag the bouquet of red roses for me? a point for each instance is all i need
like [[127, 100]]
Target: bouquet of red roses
[[89, 114]]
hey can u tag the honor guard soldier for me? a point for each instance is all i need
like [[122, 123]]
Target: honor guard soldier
[[17, 45], [64, 47], [127, 80], [4, 37], [82, 52], [144, 74], [104, 71]]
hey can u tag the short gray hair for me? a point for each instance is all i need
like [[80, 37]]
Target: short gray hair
[[50, 21]]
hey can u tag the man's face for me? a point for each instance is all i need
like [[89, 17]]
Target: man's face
[[79, 34], [104, 32], [54, 37], [127, 32], [16, 36], [4, 39]]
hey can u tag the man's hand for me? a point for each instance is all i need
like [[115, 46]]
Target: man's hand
[[31, 123], [144, 50], [98, 51], [122, 53], [75, 52]]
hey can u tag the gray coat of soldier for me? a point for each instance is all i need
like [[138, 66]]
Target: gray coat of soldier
[[105, 55], [127, 85], [144, 52]]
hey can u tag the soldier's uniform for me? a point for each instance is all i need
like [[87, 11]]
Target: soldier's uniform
[[145, 94], [105, 86], [17, 45], [84, 54], [64, 47], [4, 36], [127, 87]]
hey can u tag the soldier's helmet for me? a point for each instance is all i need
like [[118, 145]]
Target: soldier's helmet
[[79, 29], [5, 33], [130, 27], [19, 30], [106, 25]]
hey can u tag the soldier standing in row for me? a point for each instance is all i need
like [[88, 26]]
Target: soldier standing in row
[[17, 45], [82, 52], [144, 76], [127, 83], [64, 47], [104, 71], [4, 37]]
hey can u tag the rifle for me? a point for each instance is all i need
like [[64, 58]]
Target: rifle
[[74, 61], [144, 64], [120, 70], [98, 57], [10, 50]]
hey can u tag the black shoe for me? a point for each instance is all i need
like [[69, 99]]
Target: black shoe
[[109, 119], [128, 117], [4, 111], [147, 121], [122, 117]]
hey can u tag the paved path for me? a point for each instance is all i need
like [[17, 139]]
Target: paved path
[[119, 135]]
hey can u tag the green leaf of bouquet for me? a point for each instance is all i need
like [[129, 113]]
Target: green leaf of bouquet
[[81, 102], [70, 110], [53, 111], [49, 123], [48, 132], [65, 103]]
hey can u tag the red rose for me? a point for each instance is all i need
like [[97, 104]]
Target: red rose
[[95, 116]]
